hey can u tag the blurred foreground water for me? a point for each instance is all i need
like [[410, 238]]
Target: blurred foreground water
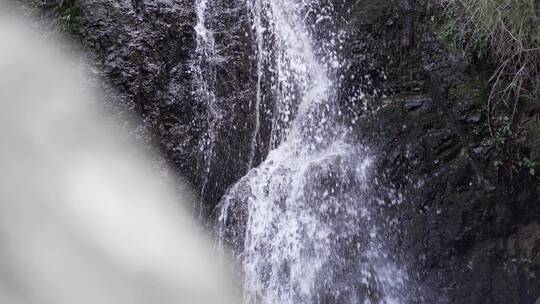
[[83, 217]]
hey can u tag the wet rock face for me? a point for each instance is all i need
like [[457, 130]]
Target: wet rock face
[[236, 77], [145, 48], [457, 227], [466, 233]]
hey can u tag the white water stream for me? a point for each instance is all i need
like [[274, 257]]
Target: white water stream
[[310, 236]]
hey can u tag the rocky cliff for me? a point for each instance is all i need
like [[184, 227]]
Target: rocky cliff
[[468, 233]]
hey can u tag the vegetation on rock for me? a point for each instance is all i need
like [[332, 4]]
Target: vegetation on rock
[[64, 14], [504, 34]]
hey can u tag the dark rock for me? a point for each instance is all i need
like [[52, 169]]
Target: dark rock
[[457, 214], [145, 49], [144, 52], [415, 103], [459, 222], [474, 118]]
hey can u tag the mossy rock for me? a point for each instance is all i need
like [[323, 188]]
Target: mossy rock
[[469, 89]]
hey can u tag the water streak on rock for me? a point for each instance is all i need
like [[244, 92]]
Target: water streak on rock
[[204, 73]]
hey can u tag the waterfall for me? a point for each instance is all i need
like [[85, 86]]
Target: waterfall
[[302, 220]]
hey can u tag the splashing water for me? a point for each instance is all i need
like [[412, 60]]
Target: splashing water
[[303, 220]]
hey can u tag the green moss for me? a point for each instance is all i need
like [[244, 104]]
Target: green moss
[[449, 28], [468, 89]]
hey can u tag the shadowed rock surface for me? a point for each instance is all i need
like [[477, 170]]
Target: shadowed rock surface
[[145, 49], [469, 232]]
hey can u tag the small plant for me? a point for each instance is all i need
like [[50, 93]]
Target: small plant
[[504, 133], [69, 15], [64, 13], [528, 165], [459, 36], [512, 154]]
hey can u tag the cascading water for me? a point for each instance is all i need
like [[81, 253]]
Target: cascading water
[[308, 234]]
